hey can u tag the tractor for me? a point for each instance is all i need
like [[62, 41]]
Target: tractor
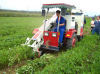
[[46, 39]]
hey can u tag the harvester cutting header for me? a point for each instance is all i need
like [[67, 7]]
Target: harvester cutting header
[[63, 29]]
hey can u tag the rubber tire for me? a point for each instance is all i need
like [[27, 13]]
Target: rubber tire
[[69, 41], [80, 38]]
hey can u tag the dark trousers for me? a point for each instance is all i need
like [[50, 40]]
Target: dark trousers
[[92, 28], [96, 30]]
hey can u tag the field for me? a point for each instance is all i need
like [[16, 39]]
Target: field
[[9, 13], [14, 13], [14, 58]]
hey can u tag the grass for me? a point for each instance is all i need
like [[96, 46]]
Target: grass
[[84, 58], [14, 30], [78, 60], [11, 13], [13, 33]]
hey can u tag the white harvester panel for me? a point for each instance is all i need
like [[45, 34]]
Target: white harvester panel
[[80, 21], [76, 16], [70, 23]]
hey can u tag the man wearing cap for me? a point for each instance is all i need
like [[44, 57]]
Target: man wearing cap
[[62, 26]]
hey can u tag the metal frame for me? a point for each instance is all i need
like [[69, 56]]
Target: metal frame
[[58, 5]]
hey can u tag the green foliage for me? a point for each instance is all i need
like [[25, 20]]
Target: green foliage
[[14, 55], [82, 59], [77, 60], [9, 13], [13, 33], [36, 64], [15, 30]]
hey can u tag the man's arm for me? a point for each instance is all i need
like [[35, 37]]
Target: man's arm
[[62, 24]]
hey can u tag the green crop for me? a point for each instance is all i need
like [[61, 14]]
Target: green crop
[[81, 59], [13, 33]]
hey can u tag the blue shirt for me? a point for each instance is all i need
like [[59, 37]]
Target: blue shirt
[[62, 20], [97, 24]]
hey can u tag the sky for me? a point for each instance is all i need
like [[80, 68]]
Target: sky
[[90, 7]]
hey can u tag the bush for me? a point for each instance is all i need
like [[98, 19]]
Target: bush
[[35, 65], [14, 55]]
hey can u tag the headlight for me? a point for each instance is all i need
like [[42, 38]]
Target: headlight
[[46, 34], [67, 35], [54, 34]]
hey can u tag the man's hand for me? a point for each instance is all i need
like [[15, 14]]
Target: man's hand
[[62, 24]]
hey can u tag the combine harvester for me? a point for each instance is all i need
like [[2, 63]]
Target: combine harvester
[[45, 39]]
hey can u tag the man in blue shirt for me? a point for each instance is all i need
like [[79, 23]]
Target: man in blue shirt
[[61, 25], [97, 26]]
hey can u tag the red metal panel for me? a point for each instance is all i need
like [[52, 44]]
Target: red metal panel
[[81, 34], [51, 41], [35, 31], [37, 34], [70, 33], [59, 4]]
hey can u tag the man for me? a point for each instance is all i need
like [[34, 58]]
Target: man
[[62, 26], [92, 24], [97, 26]]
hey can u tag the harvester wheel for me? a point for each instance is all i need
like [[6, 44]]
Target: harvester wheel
[[70, 42], [80, 38], [39, 53]]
